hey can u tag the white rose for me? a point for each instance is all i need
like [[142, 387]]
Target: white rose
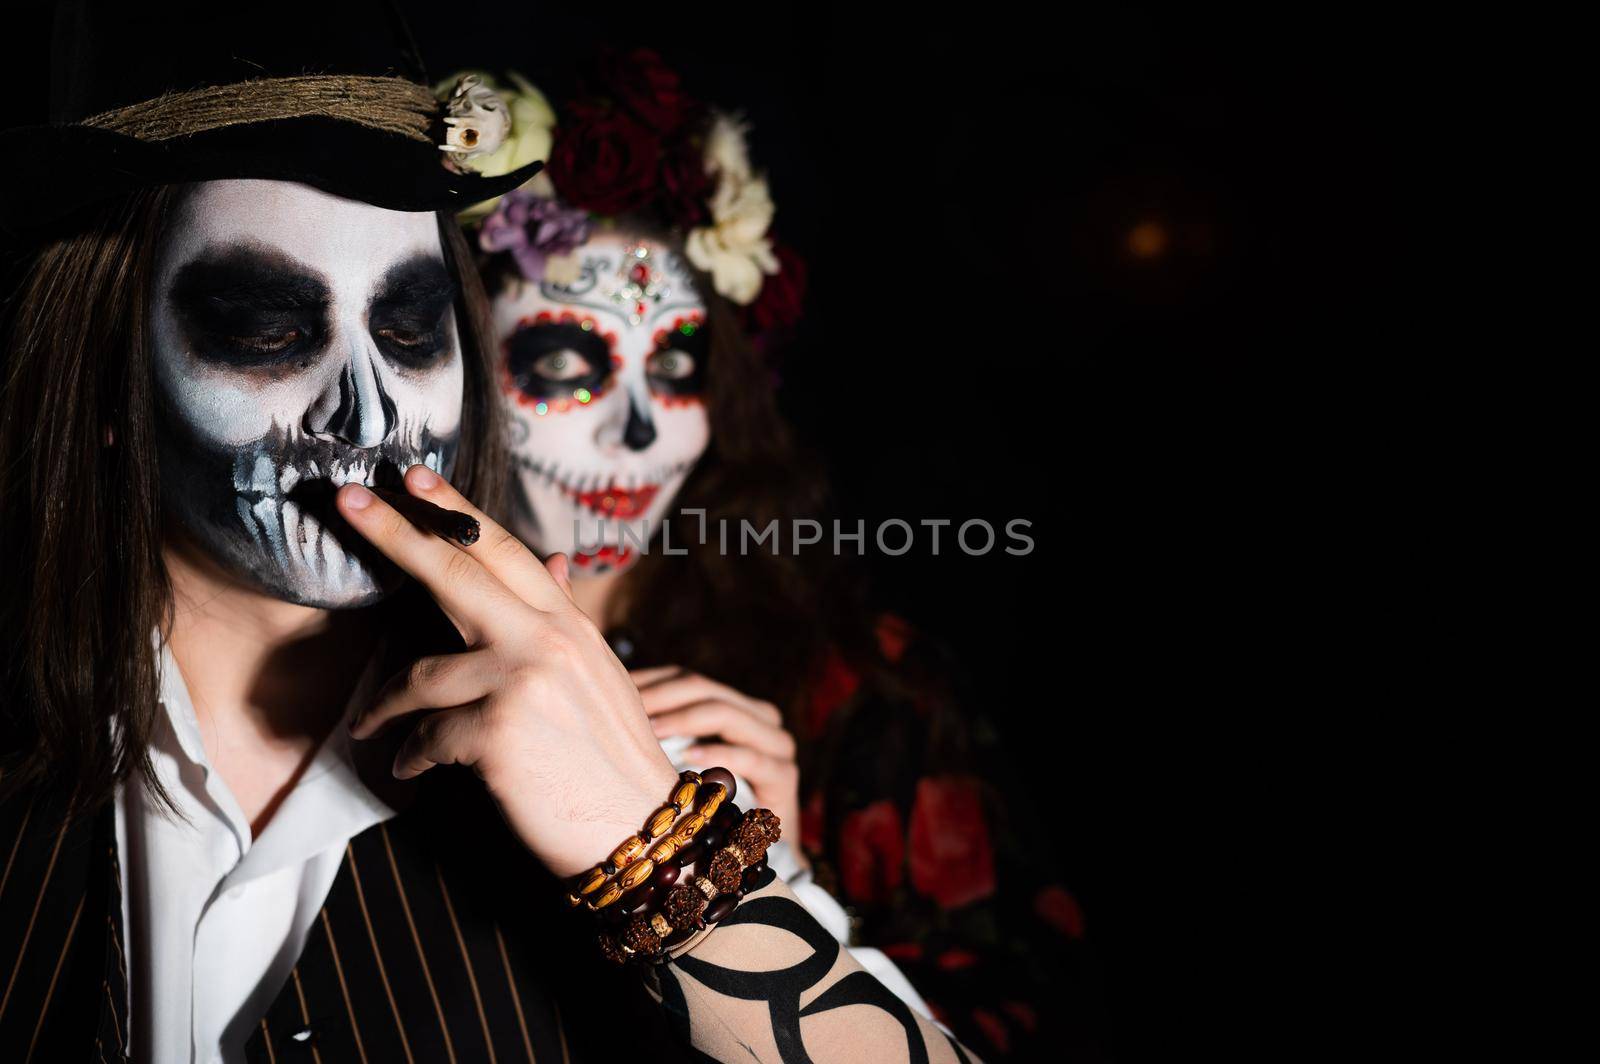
[[726, 152]]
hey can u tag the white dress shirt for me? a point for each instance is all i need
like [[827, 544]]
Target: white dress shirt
[[215, 919]]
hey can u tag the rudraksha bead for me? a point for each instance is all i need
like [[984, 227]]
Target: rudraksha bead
[[760, 829], [726, 870], [683, 906], [612, 949], [641, 937]]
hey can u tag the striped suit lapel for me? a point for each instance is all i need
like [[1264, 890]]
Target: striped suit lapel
[[409, 962], [63, 978]]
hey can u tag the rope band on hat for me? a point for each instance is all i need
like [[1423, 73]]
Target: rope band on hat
[[393, 105]]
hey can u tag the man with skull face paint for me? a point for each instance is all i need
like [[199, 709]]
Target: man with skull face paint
[[302, 342], [270, 327]]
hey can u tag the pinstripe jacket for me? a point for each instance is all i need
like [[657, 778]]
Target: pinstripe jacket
[[441, 939]]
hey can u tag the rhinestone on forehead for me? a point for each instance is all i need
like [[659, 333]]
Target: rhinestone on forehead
[[638, 282]]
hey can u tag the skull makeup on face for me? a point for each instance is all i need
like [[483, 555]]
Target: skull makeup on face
[[602, 379], [300, 341]]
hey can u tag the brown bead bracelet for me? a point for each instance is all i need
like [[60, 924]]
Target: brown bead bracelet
[[630, 864], [737, 867]]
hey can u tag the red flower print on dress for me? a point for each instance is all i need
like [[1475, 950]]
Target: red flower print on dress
[[812, 824], [834, 686], [871, 852], [952, 859], [1060, 910], [994, 1028]]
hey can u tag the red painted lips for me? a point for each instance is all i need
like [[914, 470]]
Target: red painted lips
[[617, 502]]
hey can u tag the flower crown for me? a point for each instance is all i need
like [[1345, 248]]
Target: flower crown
[[636, 143]]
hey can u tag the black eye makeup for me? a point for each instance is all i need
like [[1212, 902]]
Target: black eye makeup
[[408, 315], [547, 358], [248, 307], [678, 364]]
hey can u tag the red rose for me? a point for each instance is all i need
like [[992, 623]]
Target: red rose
[[1023, 1013], [952, 860], [604, 160], [994, 1028], [812, 824], [1060, 910], [640, 81], [871, 851], [893, 635], [782, 296], [833, 687], [956, 958], [685, 186]]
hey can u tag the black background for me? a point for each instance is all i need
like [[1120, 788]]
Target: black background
[[982, 341]]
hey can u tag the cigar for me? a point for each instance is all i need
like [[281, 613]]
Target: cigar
[[450, 524]]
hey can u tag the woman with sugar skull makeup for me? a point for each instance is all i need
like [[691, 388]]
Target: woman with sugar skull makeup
[[247, 363], [639, 297]]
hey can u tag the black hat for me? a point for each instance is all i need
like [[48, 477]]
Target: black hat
[[332, 95]]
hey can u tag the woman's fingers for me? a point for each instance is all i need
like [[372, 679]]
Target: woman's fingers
[[643, 678], [467, 592], [448, 737], [765, 773], [672, 693], [733, 723], [501, 553], [430, 683]]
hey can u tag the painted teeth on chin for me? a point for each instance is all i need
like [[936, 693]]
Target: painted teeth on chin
[[291, 534]]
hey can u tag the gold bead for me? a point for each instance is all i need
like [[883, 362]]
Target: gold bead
[[624, 854], [636, 873], [666, 849], [609, 896], [660, 821], [684, 793], [592, 880], [711, 800], [688, 829]]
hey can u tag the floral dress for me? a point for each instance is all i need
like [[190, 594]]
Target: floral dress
[[904, 824]]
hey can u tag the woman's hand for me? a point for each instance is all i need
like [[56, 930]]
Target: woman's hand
[[537, 704], [748, 737]]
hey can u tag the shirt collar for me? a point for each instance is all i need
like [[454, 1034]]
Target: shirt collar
[[329, 803]]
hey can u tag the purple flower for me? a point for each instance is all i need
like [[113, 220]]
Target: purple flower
[[533, 228]]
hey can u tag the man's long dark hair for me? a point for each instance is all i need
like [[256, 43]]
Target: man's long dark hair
[[82, 582]]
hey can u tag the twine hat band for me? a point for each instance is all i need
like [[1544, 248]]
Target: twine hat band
[[391, 104]]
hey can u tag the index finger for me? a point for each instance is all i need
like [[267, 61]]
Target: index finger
[[467, 592], [500, 552]]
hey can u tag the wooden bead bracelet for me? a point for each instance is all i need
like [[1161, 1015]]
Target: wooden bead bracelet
[[631, 864], [730, 870]]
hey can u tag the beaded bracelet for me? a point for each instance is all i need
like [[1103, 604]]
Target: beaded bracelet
[[630, 864], [737, 867]]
